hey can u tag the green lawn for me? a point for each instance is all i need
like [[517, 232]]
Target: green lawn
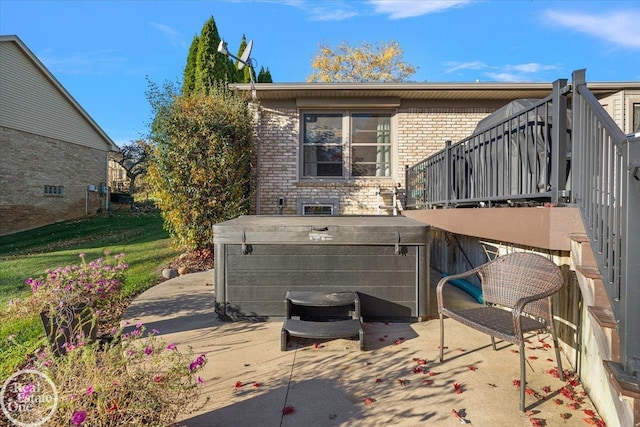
[[28, 254]]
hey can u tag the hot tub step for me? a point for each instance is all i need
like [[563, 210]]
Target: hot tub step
[[321, 330]]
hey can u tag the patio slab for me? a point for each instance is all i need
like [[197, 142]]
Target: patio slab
[[397, 380]]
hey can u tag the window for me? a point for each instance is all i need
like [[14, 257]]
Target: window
[[53, 190], [636, 118], [326, 153], [318, 206]]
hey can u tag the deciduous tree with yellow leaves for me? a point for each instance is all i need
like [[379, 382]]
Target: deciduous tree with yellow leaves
[[363, 63]]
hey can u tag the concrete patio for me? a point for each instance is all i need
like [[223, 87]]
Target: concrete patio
[[396, 381]]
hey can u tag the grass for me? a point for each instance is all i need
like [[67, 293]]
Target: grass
[[28, 254]]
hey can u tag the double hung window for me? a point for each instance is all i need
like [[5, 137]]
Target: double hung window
[[346, 145]]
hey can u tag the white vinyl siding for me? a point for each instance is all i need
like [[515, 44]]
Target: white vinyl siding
[[32, 102]]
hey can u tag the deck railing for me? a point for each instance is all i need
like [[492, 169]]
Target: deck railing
[[606, 186], [534, 156], [514, 161]]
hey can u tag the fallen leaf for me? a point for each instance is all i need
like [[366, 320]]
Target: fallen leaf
[[427, 382], [473, 368], [537, 422], [369, 400], [458, 388], [546, 389], [431, 373], [402, 382], [574, 405], [492, 385], [589, 413], [420, 361], [558, 402], [256, 385], [418, 370], [378, 380], [238, 384], [516, 383], [590, 421], [565, 415], [533, 357], [513, 350], [315, 345], [459, 417], [461, 349], [288, 410]]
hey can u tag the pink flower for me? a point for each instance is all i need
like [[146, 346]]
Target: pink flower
[[139, 325], [148, 351], [200, 380], [171, 347], [90, 390], [78, 418]]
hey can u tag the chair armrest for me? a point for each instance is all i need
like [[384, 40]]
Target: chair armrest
[[520, 305], [444, 280]]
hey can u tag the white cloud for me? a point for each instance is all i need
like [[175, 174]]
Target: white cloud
[[399, 9], [619, 27], [174, 36], [458, 66], [322, 13], [99, 62], [531, 71]]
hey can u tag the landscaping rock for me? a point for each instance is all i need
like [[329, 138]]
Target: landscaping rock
[[169, 273]]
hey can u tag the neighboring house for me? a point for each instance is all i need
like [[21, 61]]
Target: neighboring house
[[342, 148], [54, 164], [118, 180]]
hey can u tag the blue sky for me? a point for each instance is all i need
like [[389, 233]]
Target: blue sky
[[103, 51]]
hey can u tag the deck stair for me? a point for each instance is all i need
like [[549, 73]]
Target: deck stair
[[609, 386], [322, 316]]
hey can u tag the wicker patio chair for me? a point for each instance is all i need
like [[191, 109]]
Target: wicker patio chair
[[517, 290]]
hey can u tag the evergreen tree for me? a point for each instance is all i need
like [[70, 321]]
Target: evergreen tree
[[264, 76], [211, 65], [189, 78]]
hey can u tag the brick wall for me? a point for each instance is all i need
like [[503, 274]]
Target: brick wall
[[419, 132], [31, 162]]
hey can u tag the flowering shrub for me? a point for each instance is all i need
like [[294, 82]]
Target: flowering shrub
[[137, 379], [92, 284]]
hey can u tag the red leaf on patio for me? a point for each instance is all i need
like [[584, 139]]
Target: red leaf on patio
[[473, 368], [458, 388], [590, 421], [399, 341], [378, 380], [256, 385], [545, 345], [574, 382], [589, 413], [516, 383], [537, 422], [513, 350], [431, 373], [369, 400], [459, 417], [315, 345], [418, 370], [492, 385], [546, 389], [420, 361], [565, 415], [427, 382], [238, 384], [288, 410], [532, 357], [558, 402], [461, 349], [402, 382], [574, 405]]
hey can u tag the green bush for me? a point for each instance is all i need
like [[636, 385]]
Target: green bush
[[200, 171]]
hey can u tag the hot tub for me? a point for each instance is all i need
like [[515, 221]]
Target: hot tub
[[383, 258]]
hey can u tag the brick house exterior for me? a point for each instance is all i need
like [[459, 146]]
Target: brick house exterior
[[421, 118], [55, 155]]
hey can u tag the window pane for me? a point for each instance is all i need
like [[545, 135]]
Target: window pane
[[322, 142], [371, 145], [322, 129], [317, 210], [636, 117], [322, 161]]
